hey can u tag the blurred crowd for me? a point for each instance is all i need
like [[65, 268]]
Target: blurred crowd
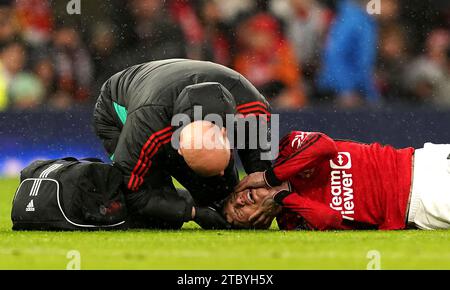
[[298, 53]]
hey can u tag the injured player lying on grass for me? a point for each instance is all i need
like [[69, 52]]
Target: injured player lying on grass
[[318, 183]]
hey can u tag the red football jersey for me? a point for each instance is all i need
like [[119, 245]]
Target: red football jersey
[[342, 184]]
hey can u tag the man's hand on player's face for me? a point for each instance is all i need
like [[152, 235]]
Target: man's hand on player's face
[[265, 214], [268, 208], [254, 180], [251, 203]]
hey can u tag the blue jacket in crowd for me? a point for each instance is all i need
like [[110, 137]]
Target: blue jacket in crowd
[[350, 53]]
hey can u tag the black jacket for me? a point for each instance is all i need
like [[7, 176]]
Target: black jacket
[[136, 107]]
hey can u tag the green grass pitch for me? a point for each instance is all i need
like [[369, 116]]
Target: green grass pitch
[[192, 248]]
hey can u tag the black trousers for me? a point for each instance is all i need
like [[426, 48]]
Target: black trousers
[[107, 124]]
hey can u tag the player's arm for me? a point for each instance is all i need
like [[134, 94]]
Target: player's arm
[[317, 215], [299, 151]]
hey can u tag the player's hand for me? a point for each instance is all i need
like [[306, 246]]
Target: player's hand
[[254, 180], [264, 216], [270, 208], [209, 219]]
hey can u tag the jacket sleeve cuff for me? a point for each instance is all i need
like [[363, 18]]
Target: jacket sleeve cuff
[[280, 196], [271, 179]]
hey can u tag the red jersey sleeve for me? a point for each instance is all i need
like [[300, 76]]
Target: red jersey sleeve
[[317, 215], [300, 151]]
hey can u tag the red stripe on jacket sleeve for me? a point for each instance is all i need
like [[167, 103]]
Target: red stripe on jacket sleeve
[[141, 176], [251, 105], [256, 110], [154, 142]]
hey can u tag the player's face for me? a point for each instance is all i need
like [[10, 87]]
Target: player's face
[[242, 205]]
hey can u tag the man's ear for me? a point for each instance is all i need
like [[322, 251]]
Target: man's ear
[[224, 132], [225, 137], [180, 152]]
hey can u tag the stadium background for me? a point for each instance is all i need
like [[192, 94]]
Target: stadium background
[[388, 80]]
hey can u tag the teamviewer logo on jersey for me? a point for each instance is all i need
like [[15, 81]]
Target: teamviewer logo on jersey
[[342, 161]]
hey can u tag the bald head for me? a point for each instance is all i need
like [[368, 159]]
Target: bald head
[[205, 148]]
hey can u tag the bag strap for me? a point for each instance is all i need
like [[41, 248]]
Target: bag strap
[[92, 160], [70, 159]]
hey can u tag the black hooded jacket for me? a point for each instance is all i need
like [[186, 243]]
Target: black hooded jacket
[[134, 116]]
